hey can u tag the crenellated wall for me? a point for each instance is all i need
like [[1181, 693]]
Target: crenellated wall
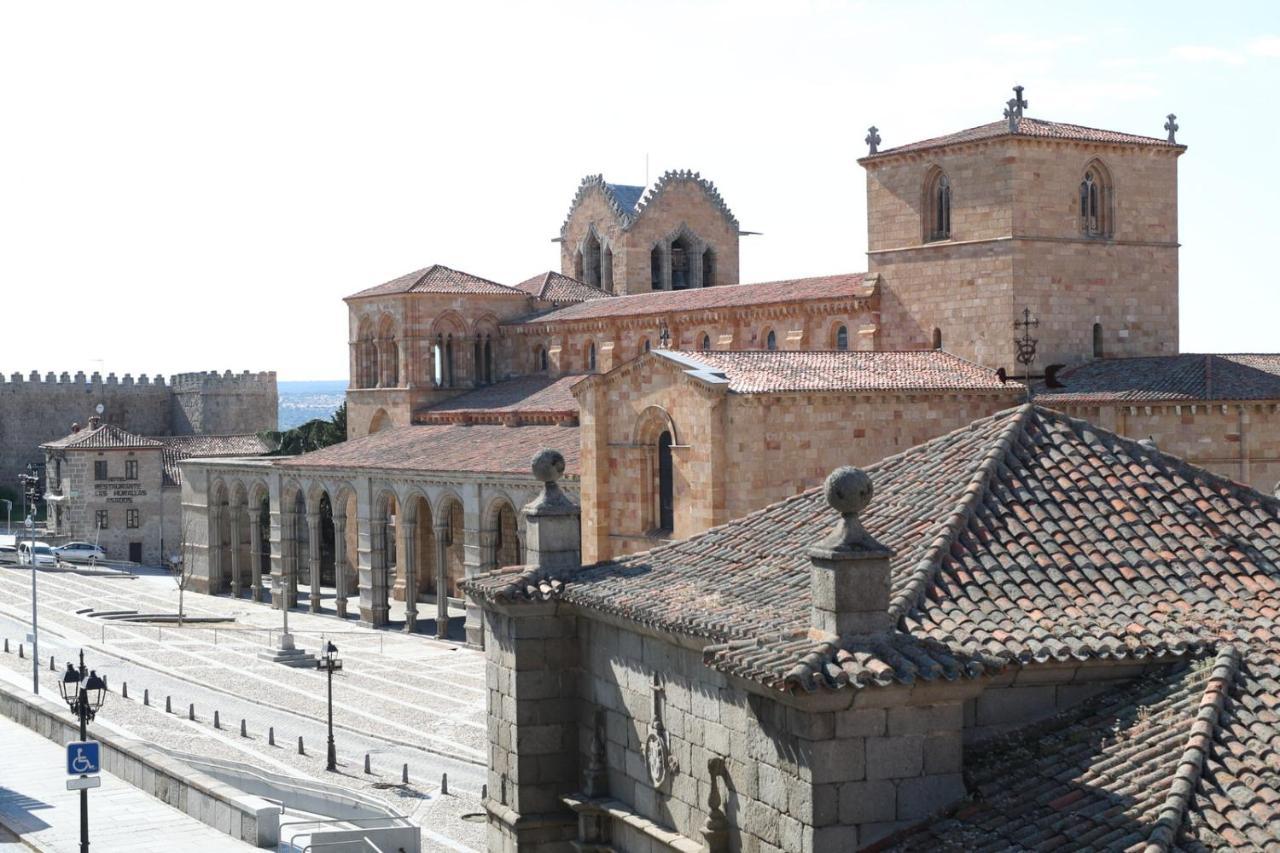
[[35, 409]]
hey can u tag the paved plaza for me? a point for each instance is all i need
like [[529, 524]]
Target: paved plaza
[[400, 699]]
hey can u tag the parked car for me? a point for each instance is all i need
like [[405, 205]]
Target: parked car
[[43, 554], [8, 553], [79, 552]]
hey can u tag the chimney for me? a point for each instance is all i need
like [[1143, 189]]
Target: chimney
[[850, 577], [94, 421], [552, 537]]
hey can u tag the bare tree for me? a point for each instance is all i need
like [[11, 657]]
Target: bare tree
[[182, 565]]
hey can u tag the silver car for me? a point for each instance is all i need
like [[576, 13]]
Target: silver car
[[79, 552]]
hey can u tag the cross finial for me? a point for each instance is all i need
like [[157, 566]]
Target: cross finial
[[1172, 126], [1019, 103], [873, 138]]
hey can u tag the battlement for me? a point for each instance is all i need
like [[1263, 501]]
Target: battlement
[[80, 379], [212, 380]]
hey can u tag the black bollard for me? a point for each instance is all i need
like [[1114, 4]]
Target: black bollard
[[20, 654], [168, 704], [404, 774], [244, 730], [444, 784], [366, 763], [191, 711], [217, 721], [271, 736], [124, 690], [146, 696], [301, 751], [52, 666]]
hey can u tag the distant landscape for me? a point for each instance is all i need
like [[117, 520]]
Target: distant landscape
[[304, 401]]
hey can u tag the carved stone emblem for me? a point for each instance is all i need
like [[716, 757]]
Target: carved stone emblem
[[657, 752]]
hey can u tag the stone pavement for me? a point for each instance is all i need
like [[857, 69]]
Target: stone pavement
[[35, 804]]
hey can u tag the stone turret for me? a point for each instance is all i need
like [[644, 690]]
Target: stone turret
[[850, 577]]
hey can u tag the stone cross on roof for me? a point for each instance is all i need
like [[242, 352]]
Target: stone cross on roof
[[1014, 107], [1172, 126], [873, 138]]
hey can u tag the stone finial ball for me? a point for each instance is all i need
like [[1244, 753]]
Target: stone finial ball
[[548, 465], [848, 490]]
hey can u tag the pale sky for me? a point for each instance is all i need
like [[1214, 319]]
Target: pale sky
[[188, 186]]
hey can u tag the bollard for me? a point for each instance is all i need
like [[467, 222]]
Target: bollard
[[104, 683], [124, 690], [168, 704], [191, 711], [244, 730], [52, 666], [20, 654], [301, 751], [444, 784], [366, 763], [217, 721], [404, 774], [484, 792], [6, 645], [271, 736], [146, 696]]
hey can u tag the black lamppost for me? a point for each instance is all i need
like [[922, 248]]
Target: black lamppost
[[329, 661], [83, 692]]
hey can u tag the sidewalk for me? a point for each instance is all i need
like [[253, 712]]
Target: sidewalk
[[36, 805]]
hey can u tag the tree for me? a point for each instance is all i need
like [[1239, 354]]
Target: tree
[[310, 436], [182, 566]]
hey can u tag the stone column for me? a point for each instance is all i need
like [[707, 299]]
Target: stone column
[[313, 557], [255, 558], [373, 580], [410, 557], [215, 550], [340, 563], [442, 578], [281, 594], [236, 554]]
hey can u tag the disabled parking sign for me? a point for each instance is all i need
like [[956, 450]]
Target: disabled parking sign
[[82, 758]]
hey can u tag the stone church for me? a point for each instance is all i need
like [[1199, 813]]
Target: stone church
[[682, 653]]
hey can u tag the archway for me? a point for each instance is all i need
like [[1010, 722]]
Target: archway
[[383, 556], [260, 543], [501, 541], [241, 538], [219, 540], [380, 421], [415, 569], [656, 433]]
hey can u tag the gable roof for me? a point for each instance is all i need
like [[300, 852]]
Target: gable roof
[[103, 437], [628, 202], [437, 278], [528, 396], [845, 286], [479, 448], [551, 286], [1026, 536], [772, 372], [180, 447], [1034, 128], [1169, 378]]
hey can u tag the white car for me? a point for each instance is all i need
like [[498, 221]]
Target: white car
[[43, 554], [79, 552]]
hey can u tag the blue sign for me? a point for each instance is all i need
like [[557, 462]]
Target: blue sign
[[82, 758]]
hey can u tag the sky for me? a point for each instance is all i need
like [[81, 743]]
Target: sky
[[193, 186]]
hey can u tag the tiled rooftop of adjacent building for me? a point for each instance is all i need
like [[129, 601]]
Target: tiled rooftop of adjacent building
[[845, 286], [528, 395], [438, 279], [1169, 379], [102, 436], [180, 447], [1029, 127], [757, 372], [478, 448], [551, 286]]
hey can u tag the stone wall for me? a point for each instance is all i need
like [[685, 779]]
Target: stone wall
[[210, 403], [75, 517]]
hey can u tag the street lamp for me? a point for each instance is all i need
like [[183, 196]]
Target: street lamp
[[329, 661], [83, 692]]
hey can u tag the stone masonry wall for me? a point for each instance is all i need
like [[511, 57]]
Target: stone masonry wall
[[77, 517]]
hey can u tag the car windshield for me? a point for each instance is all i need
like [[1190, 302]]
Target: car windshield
[[43, 549]]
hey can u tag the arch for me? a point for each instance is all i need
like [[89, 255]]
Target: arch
[[383, 556], [840, 337], [346, 555], [219, 539], [705, 343], [651, 423], [502, 540], [388, 354], [681, 262], [366, 352], [451, 528], [591, 258], [539, 358], [708, 267], [656, 267], [380, 421], [937, 338], [937, 205], [771, 340], [644, 346], [591, 356], [418, 512], [666, 484], [606, 270], [1096, 202], [1097, 340]]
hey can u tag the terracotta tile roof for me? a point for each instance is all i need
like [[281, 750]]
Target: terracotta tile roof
[[1122, 772], [437, 279], [551, 286], [180, 447], [1027, 536], [529, 396], [1030, 127], [1170, 378], [482, 448], [846, 286], [102, 437], [764, 372]]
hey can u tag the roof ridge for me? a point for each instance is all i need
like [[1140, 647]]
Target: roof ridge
[[1191, 763], [979, 481]]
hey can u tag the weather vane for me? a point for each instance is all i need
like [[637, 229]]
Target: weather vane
[[1026, 345]]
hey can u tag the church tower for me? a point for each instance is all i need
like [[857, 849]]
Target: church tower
[[678, 235], [1079, 226]]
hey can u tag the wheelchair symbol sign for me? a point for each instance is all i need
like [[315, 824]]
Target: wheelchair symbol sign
[[82, 758]]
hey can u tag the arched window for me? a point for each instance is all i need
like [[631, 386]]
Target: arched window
[[448, 360], [938, 206], [577, 266], [606, 272], [1097, 340], [708, 268], [488, 360], [591, 356], [645, 346], [706, 343], [542, 359], [842, 338], [437, 361], [1095, 202], [666, 485], [679, 264], [937, 338], [655, 268], [591, 259], [771, 341]]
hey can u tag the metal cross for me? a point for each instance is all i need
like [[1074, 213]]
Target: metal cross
[[1018, 103], [1172, 126], [1026, 345], [1012, 115], [873, 138], [664, 336]]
